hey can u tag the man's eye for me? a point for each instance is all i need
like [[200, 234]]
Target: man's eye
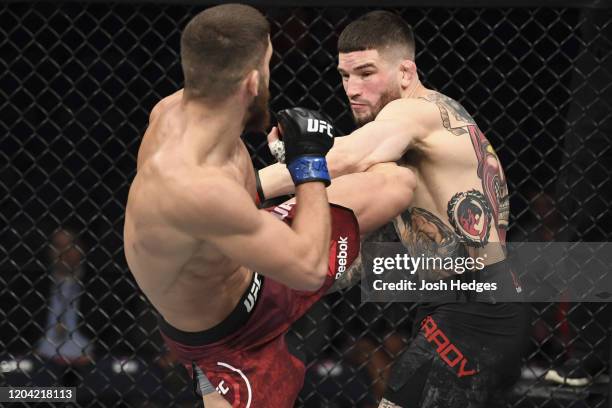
[[366, 74]]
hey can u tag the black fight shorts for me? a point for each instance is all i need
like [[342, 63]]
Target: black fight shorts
[[462, 355]]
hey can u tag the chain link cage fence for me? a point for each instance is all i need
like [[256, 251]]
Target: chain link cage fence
[[78, 81]]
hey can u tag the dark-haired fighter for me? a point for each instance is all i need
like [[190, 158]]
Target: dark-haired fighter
[[461, 354], [228, 278]]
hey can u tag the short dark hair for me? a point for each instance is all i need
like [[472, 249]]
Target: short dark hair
[[219, 46], [377, 30]]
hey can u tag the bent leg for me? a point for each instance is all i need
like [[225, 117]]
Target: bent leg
[[375, 196]]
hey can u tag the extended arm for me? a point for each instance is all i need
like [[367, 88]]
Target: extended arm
[[397, 128], [221, 213]]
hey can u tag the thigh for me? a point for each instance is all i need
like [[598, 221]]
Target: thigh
[[451, 364], [265, 376]]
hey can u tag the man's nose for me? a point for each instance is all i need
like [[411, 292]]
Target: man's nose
[[352, 88]]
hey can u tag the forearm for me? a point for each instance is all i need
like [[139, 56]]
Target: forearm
[[312, 222], [275, 181], [350, 154]]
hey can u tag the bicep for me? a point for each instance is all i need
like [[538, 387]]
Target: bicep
[[399, 126], [389, 139], [220, 212], [379, 141], [254, 238], [223, 215], [267, 245]]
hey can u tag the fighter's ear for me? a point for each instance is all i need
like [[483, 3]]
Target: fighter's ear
[[407, 72], [252, 83]]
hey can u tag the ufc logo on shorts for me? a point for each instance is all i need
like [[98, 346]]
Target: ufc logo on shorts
[[222, 388], [282, 211], [235, 384], [249, 302], [446, 350], [319, 126]]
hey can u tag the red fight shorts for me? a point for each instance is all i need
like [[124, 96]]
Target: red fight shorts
[[245, 357]]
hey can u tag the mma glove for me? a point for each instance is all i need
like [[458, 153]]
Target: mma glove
[[308, 136]]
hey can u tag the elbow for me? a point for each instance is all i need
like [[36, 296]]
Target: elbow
[[312, 273], [314, 283], [342, 162]]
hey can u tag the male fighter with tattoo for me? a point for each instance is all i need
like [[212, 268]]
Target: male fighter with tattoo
[[461, 354], [229, 279]]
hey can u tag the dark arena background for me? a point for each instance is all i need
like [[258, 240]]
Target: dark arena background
[[78, 81]]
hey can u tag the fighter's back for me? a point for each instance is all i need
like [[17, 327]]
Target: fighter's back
[[181, 275], [461, 199]]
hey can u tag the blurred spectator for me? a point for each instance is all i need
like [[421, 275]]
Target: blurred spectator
[[62, 341], [548, 221]]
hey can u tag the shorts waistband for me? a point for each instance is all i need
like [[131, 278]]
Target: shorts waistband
[[507, 283], [236, 319]]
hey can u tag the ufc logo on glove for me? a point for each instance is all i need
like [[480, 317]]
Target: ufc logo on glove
[[319, 126]]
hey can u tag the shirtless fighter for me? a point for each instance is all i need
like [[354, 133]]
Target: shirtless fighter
[[229, 279], [461, 354]]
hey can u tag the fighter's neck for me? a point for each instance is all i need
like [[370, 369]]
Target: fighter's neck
[[214, 129], [415, 90]]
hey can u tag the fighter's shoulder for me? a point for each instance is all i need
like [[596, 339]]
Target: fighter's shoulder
[[408, 109], [435, 97], [446, 103], [163, 105], [207, 188], [210, 197]]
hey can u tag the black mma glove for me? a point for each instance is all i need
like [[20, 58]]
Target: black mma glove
[[307, 136]]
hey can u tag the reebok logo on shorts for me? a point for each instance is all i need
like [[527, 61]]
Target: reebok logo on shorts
[[445, 349], [341, 255]]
